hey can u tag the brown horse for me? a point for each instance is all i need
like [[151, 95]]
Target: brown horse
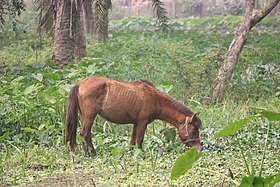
[[120, 102]]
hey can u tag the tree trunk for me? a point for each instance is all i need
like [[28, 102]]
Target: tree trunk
[[78, 31], [63, 42], [88, 11], [69, 33], [250, 19]]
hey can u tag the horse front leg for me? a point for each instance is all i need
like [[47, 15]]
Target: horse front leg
[[140, 132], [133, 137]]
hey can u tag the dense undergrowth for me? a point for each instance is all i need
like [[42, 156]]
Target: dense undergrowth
[[182, 63]]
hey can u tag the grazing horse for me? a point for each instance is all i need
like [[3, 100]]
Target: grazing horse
[[138, 102]]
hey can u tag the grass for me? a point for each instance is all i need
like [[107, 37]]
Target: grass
[[183, 64], [38, 162]]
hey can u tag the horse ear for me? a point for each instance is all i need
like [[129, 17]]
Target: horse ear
[[195, 117], [196, 120]]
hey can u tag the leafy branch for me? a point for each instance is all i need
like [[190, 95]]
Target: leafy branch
[[161, 14], [232, 129], [46, 14], [101, 8]]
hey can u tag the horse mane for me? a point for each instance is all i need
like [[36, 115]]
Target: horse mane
[[172, 102], [166, 98], [146, 82], [178, 105]]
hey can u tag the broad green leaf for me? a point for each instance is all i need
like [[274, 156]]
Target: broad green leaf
[[50, 99], [27, 129], [100, 141], [41, 126], [38, 76], [91, 69], [5, 135], [167, 83], [268, 181], [258, 182], [166, 86], [184, 162], [17, 80], [30, 89], [115, 152], [65, 87], [194, 102], [232, 128], [52, 75], [50, 128], [247, 181], [271, 116], [272, 180]]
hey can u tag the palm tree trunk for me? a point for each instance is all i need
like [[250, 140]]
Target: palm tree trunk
[[78, 31], [88, 11], [69, 32], [63, 40]]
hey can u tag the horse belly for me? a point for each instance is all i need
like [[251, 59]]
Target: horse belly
[[118, 116], [121, 106]]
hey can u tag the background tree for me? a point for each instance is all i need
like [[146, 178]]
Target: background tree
[[69, 34], [88, 13], [66, 19], [251, 17], [11, 9], [101, 10], [161, 14]]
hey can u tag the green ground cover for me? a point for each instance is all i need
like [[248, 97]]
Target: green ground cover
[[183, 64]]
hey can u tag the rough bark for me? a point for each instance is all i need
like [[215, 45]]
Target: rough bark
[[88, 11], [78, 31], [250, 19], [69, 32], [63, 42]]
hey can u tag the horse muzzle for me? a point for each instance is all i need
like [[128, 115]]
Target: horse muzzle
[[196, 142]]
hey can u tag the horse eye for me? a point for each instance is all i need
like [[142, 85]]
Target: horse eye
[[194, 131]]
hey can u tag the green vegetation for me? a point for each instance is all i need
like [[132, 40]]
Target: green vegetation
[[182, 63]]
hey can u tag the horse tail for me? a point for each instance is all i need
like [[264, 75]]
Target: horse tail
[[72, 117]]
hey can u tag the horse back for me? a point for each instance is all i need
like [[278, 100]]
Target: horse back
[[127, 102], [119, 101]]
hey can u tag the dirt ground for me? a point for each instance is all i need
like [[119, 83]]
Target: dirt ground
[[74, 179]]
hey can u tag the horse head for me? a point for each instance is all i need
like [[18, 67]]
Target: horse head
[[189, 131]]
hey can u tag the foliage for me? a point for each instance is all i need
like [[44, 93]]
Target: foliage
[[11, 9], [101, 8], [161, 14], [184, 162], [45, 11], [219, 25], [235, 126], [252, 179], [34, 91]]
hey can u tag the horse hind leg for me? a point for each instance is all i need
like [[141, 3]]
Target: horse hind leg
[[86, 134]]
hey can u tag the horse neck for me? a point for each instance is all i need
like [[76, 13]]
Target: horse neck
[[173, 111]]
